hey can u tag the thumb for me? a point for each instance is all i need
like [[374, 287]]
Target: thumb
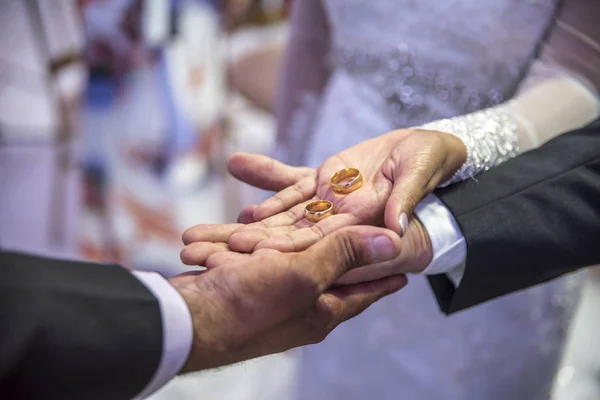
[[265, 172], [418, 166], [406, 193], [346, 249], [414, 174]]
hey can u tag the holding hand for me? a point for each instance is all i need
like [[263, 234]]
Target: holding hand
[[250, 305], [398, 169]]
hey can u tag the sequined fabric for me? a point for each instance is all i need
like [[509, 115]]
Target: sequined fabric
[[452, 57], [438, 59], [401, 81], [490, 137]]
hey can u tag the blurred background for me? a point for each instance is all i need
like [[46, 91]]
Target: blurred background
[[156, 94], [175, 87], [136, 115]]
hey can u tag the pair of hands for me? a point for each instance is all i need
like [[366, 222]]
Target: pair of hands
[[269, 282]]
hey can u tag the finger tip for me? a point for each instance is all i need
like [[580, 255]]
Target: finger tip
[[188, 236], [244, 241], [234, 242], [237, 163], [397, 282], [246, 216], [185, 256], [237, 155], [233, 160]]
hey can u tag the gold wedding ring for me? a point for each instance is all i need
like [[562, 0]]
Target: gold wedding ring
[[317, 210], [346, 181]]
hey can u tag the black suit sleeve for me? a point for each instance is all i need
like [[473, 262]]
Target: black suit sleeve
[[527, 221], [73, 330]]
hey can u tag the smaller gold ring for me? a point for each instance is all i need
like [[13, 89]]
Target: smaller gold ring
[[317, 210], [346, 181]]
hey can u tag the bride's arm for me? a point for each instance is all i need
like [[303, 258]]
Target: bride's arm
[[303, 78], [559, 94]]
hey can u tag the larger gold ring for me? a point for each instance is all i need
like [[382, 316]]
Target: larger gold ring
[[318, 210], [346, 181]]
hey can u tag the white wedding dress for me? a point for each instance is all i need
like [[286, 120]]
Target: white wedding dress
[[403, 63]]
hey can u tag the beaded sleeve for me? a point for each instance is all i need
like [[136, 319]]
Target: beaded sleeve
[[559, 94], [490, 137]]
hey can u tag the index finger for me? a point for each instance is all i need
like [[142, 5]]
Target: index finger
[[265, 172]]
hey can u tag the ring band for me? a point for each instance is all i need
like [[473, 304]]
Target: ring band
[[346, 181], [317, 210]]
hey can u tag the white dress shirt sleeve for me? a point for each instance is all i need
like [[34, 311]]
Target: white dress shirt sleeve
[[177, 330], [447, 241]]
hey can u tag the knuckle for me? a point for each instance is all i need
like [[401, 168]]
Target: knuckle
[[268, 167], [279, 198], [297, 187], [315, 333], [318, 231], [349, 249], [397, 196], [292, 243], [307, 285], [410, 199], [215, 260], [320, 169], [242, 228], [398, 153], [291, 215], [266, 257], [313, 288], [388, 167], [304, 172], [318, 322]]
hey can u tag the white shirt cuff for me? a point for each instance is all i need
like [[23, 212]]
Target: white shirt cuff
[[447, 241], [177, 330]]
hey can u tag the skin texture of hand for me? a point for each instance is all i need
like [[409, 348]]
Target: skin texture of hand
[[415, 256], [399, 169], [249, 305]]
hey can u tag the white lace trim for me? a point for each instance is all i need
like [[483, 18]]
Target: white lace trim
[[490, 137]]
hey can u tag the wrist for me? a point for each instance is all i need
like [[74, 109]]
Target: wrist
[[207, 345]]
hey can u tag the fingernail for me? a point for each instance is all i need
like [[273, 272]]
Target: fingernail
[[403, 223], [382, 249]]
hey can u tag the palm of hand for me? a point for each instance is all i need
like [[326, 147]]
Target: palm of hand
[[398, 168], [280, 222], [246, 297]]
